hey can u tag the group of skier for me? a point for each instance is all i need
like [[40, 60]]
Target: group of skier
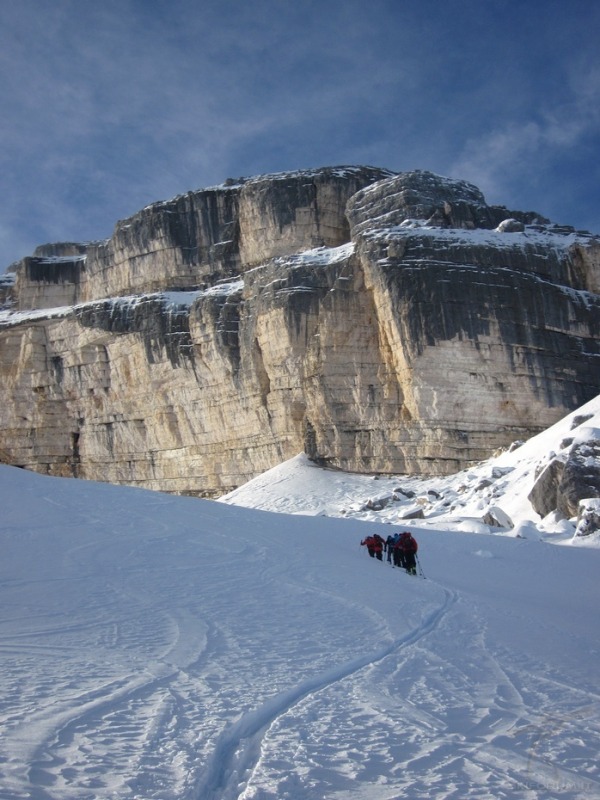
[[401, 549]]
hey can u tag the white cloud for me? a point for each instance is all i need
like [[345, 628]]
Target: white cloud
[[109, 106], [518, 149]]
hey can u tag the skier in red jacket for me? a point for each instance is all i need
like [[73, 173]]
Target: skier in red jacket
[[407, 547], [374, 545]]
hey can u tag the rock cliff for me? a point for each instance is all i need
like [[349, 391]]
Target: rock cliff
[[379, 322]]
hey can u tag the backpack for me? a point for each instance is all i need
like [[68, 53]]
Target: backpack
[[408, 544]]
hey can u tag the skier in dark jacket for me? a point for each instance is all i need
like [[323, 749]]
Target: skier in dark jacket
[[389, 548]]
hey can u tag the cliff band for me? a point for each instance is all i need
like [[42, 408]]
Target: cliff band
[[380, 322]]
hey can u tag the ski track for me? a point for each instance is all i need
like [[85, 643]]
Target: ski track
[[400, 752], [237, 749], [149, 729], [441, 737], [433, 738]]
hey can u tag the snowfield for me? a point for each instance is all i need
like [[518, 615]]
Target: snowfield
[[167, 648]]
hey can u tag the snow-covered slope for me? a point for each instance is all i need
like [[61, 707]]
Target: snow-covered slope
[[164, 648], [458, 502]]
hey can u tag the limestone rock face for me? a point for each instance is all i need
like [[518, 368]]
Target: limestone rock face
[[378, 322], [485, 327], [7, 284], [198, 238], [431, 199], [51, 277]]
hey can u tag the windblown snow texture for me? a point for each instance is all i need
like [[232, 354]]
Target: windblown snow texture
[[176, 649]]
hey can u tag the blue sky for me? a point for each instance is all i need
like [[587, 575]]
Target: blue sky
[[110, 105]]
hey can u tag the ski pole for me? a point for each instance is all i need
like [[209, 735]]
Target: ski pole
[[420, 567]]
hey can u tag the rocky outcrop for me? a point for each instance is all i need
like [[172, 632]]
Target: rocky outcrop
[[572, 475], [581, 477], [198, 239], [379, 322]]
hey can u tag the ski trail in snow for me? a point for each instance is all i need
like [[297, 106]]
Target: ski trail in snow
[[42, 730], [237, 748]]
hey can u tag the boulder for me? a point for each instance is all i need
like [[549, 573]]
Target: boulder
[[510, 226], [495, 517], [544, 495], [588, 517]]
